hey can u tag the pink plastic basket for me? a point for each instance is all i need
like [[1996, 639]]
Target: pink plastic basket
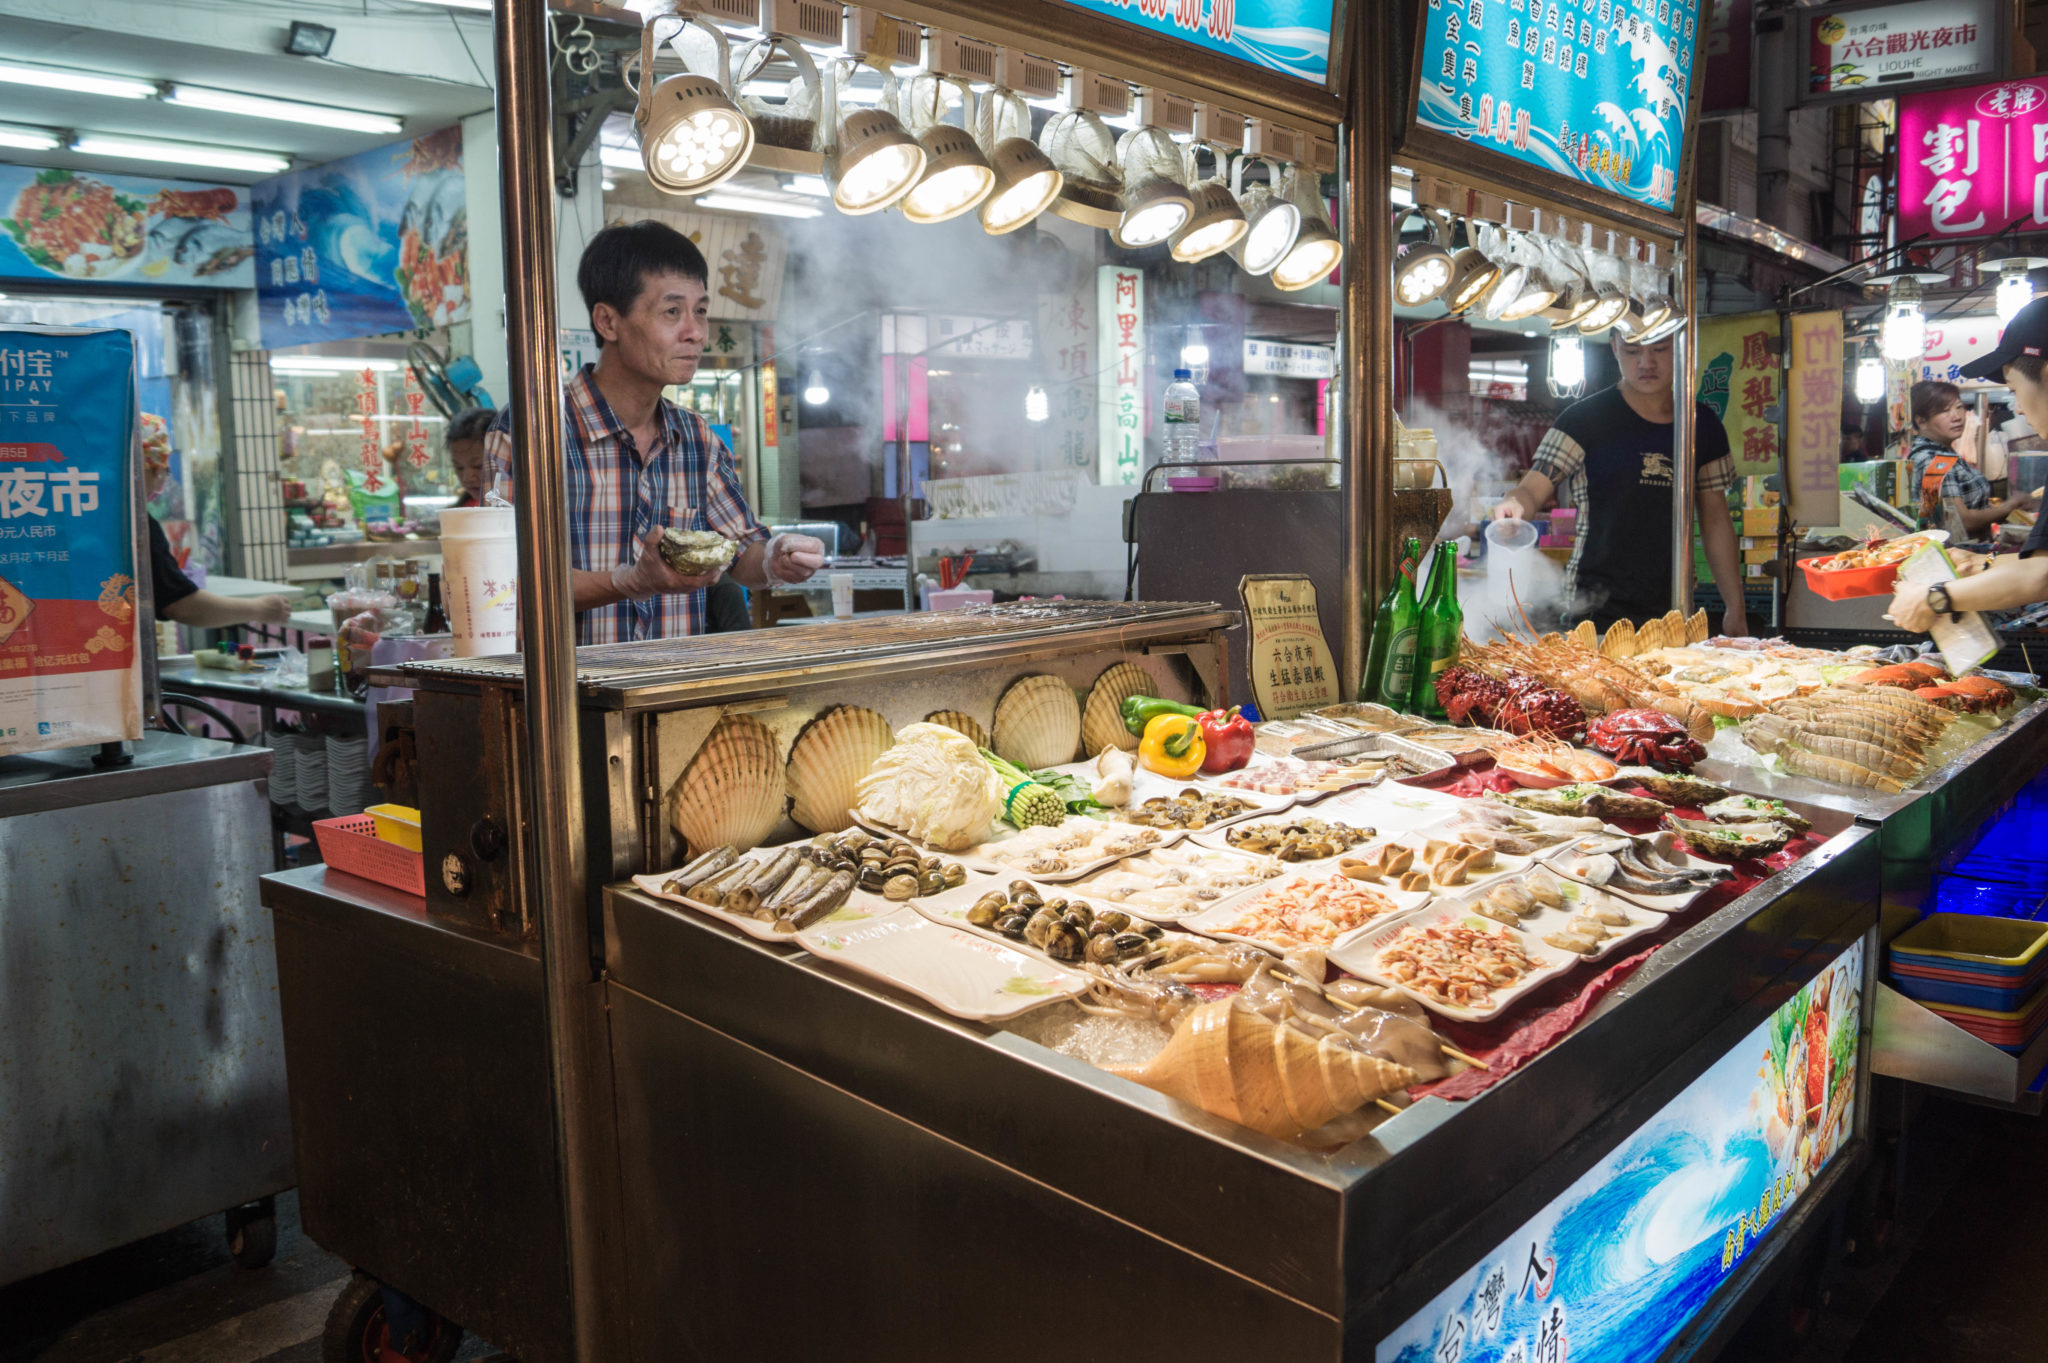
[[350, 843]]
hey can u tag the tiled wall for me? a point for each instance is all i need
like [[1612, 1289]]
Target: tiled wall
[[256, 519]]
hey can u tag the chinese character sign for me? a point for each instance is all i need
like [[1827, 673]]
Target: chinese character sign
[[67, 224], [1813, 425], [1592, 90], [1291, 37], [1120, 309], [1972, 160], [1864, 50], [69, 672], [1066, 328], [1618, 1263], [1739, 379], [374, 243], [1292, 668], [1953, 342]]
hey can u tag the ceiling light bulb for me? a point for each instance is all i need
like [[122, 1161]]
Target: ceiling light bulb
[[180, 153], [956, 176], [1037, 406], [1026, 185], [876, 163], [75, 82], [1194, 355], [1567, 366], [1904, 336], [1870, 379], [1215, 225], [815, 391], [283, 110], [2015, 290]]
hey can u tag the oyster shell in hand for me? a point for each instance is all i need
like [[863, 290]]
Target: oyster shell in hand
[[694, 553]]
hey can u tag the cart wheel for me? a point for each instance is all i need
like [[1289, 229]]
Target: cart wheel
[[252, 1233], [359, 1329]]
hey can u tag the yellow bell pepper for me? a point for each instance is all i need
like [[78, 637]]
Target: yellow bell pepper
[[1172, 746]]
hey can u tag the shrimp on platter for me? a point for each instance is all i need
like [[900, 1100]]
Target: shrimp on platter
[[1550, 758]]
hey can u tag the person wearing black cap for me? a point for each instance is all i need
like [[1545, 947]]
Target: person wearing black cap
[[2019, 360]]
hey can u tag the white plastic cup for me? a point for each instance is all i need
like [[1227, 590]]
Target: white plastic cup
[[842, 595], [480, 579], [1509, 543]]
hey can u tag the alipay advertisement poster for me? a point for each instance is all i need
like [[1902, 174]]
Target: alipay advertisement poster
[[69, 224], [1616, 1266], [371, 244], [1593, 90], [1291, 37], [69, 673]]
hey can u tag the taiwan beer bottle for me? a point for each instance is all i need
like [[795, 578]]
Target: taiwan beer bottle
[[1397, 674], [1442, 626], [1383, 624]]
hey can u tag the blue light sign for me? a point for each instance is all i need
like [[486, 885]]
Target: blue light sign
[[1593, 90], [1291, 37]]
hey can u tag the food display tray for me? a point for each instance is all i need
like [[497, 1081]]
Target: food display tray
[[1360, 953], [1083, 889], [957, 971], [1415, 839], [859, 906], [1642, 921], [1216, 920], [976, 858], [1218, 839], [1560, 857]]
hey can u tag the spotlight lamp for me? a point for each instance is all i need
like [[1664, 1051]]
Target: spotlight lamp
[[872, 161], [1273, 219], [1026, 181], [692, 135], [1658, 307], [1316, 251], [1156, 204], [957, 175], [1605, 272], [2015, 289], [1422, 269], [1534, 289], [1473, 272], [1217, 223]]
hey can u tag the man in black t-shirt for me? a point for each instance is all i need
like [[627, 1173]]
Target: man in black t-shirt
[[174, 595], [1610, 456]]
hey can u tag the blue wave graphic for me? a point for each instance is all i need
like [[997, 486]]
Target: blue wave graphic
[[1291, 37]]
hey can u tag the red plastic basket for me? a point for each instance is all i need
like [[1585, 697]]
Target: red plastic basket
[[1848, 582], [350, 843]]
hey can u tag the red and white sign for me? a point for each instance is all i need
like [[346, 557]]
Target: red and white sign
[[1955, 341], [1972, 160]]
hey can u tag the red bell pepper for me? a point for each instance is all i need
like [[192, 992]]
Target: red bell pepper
[[1230, 741]]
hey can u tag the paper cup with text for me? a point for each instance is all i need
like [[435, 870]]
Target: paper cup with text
[[480, 579]]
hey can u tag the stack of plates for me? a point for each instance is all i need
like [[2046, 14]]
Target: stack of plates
[[284, 768], [348, 774], [1989, 976], [312, 794]]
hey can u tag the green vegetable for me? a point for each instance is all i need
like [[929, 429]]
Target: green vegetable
[[1078, 794], [1025, 802], [1139, 711]]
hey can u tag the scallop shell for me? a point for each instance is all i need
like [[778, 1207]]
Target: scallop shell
[[1586, 637], [960, 723], [1674, 629], [1651, 637], [827, 762], [1102, 718], [1697, 630], [1620, 640], [732, 790], [1038, 723]]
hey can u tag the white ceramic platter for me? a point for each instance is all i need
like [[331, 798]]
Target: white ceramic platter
[[1579, 899], [1227, 919], [861, 905], [988, 857], [1172, 883], [1418, 839], [1152, 786], [954, 970], [1390, 807], [1361, 954], [1219, 838], [1569, 860]]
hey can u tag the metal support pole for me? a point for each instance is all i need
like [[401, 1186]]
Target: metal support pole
[[554, 837], [1775, 81], [1368, 340], [1685, 345], [900, 372]]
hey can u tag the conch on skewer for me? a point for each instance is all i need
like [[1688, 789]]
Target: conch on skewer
[[1271, 1076]]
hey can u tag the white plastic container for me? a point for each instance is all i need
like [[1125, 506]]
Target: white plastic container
[[480, 579], [1181, 420]]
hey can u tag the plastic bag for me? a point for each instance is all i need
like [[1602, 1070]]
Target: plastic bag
[[791, 123]]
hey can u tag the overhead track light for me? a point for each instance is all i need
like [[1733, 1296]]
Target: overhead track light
[[871, 161], [1080, 143], [1273, 219], [1316, 250], [957, 175], [1156, 203], [692, 135], [1473, 271], [1216, 223], [1422, 269], [1532, 290]]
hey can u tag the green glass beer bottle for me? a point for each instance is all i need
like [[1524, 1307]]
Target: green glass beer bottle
[[1442, 625], [1397, 674], [1383, 623]]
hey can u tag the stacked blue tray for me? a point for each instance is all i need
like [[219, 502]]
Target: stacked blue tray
[[1988, 975]]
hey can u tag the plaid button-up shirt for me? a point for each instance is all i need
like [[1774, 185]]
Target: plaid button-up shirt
[[616, 496]]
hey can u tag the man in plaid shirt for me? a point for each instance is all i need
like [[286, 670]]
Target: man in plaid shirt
[[635, 463]]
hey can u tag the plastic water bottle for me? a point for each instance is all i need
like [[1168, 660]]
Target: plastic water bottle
[[1183, 411]]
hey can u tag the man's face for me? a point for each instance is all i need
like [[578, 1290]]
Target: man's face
[[467, 458], [1645, 368], [661, 337], [2031, 396]]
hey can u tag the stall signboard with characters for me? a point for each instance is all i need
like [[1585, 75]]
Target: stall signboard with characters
[[69, 672], [1616, 1266], [368, 245], [73, 225]]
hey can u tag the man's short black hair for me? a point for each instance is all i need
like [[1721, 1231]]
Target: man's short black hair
[[616, 264]]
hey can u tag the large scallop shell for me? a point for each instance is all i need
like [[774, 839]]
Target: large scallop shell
[[1619, 641], [1102, 718], [827, 761], [1038, 723], [960, 722], [732, 790]]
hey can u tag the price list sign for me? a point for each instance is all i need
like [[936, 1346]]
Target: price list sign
[[1592, 90], [68, 668]]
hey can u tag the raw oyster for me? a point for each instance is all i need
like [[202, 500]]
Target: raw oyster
[[696, 552], [1582, 799], [1746, 808], [1676, 787], [1734, 841]]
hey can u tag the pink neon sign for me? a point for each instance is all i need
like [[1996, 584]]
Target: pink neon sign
[[1973, 159]]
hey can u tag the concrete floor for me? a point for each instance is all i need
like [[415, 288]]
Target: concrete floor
[[1960, 1277]]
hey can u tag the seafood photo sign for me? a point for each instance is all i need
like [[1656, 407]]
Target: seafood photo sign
[[69, 224], [1613, 1269], [69, 674], [368, 245]]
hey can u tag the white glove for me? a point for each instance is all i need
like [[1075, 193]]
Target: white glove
[[650, 575], [791, 559]]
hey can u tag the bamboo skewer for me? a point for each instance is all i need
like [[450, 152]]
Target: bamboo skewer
[[1454, 1053], [1394, 1108]]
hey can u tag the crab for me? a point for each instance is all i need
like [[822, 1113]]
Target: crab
[[1967, 694], [1647, 738], [1533, 708]]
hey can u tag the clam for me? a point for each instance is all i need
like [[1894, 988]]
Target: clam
[[1102, 717], [987, 910], [732, 791], [1038, 723], [1064, 943], [1011, 926], [827, 761], [960, 723]]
